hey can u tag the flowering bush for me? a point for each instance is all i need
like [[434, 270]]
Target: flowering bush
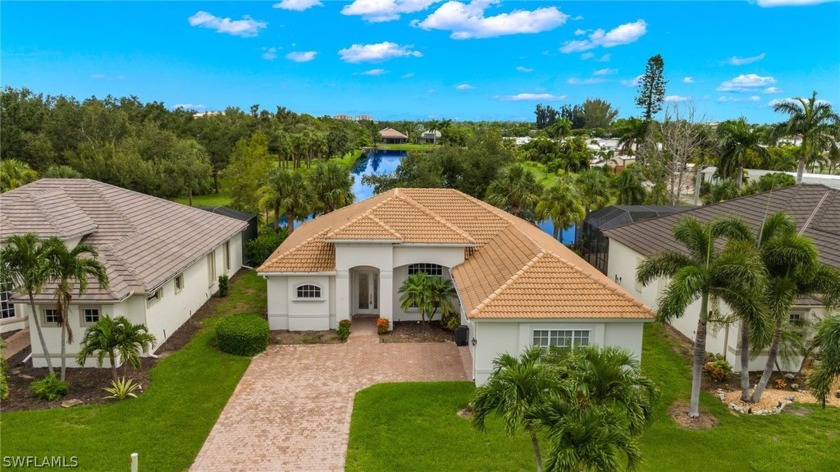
[[382, 325], [718, 370]]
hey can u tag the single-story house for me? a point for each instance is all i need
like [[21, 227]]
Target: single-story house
[[392, 136], [832, 181], [516, 285], [429, 137], [816, 210], [251, 231], [163, 259]]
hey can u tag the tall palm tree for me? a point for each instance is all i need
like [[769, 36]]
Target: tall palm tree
[[516, 191], [794, 271], [737, 140], [734, 274], [14, 173], [332, 184], [24, 267], [630, 188], [632, 132], [562, 205], [814, 121], [114, 337], [827, 370], [289, 191], [517, 388], [594, 187], [69, 270]]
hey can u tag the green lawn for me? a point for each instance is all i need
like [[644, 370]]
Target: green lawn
[[214, 199], [414, 427], [166, 425]]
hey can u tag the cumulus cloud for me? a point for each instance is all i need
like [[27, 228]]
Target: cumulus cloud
[[374, 72], [467, 20], [246, 27], [740, 61], [772, 90], [634, 82], [676, 98], [464, 87], [301, 56], [590, 81], [532, 97], [587, 55], [524, 69], [376, 52], [622, 34], [606, 71], [777, 101], [379, 11], [746, 83], [298, 5], [730, 98], [790, 3], [269, 54], [580, 32], [688, 80]]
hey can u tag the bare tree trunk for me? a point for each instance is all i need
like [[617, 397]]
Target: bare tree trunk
[[800, 168], [698, 180], [113, 365], [771, 360], [745, 362], [537, 456], [699, 357], [216, 180], [34, 315], [63, 349], [740, 177], [290, 221], [276, 218], [190, 194]]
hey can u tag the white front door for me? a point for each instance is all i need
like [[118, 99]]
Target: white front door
[[367, 292]]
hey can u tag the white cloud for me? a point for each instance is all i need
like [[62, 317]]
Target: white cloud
[[676, 98], [577, 18], [524, 69], [634, 82], [532, 97], [374, 72], [407, 76], [772, 90], [298, 5], [246, 27], [604, 58], [464, 87], [301, 56], [729, 98], [590, 81], [740, 61], [745, 83], [622, 34], [776, 101], [790, 3], [269, 54], [468, 21], [580, 32], [376, 52], [606, 71], [688, 80], [587, 55], [378, 11], [189, 106]]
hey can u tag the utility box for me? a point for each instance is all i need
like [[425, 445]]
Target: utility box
[[462, 335]]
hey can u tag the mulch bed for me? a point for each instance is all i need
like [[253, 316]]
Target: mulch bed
[[86, 384], [679, 413], [417, 332], [285, 337]]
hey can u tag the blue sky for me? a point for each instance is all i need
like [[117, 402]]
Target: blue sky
[[421, 59]]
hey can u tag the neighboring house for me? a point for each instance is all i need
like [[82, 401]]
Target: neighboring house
[[516, 285], [250, 233], [429, 137], [828, 180], [163, 259], [392, 136], [816, 210]]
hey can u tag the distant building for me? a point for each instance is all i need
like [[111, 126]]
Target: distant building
[[831, 181], [429, 137], [343, 117], [392, 136], [364, 118]]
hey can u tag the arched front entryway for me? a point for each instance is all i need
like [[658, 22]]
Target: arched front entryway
[[365, 291]]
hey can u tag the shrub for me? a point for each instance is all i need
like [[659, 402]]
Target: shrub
[[122, 389], [345, 323], [382, 325], [343, 332], [718, 370], [781, 384], [49, 388], [259, 249], [242, 334], [223, 285]]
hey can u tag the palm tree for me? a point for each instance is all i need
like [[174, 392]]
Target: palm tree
[[442, 292], [67, 268], [594, 187], [630, 188], [427, 294], [561, 204], [289, 191], [516, 191], [332, 184], [24, 267], [827, 369], [516, 390], [794, 271], [734, 275], [814, 121], [114, 337], [737, 140], [14, 173], [632, 132]]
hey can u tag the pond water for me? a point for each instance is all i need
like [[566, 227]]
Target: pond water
[[386, 161]]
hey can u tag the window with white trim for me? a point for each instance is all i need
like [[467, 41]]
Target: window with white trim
[[308, 291], [156, 295], [433, 270], [795, 317], [7, 308], [179, 282], [50, 317], [226, 252], [561, 337], [89, 316], [211, 268]]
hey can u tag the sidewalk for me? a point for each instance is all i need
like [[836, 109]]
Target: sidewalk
[[16, 343]]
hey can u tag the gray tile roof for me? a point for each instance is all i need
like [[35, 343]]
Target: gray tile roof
[[815, 208], [142, 240]]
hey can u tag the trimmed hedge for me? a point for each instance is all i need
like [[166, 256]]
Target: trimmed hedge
[[242, 335]]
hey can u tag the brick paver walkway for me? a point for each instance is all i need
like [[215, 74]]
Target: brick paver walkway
[[291, 410]]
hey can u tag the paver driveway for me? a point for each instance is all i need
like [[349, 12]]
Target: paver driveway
[[291, 410]]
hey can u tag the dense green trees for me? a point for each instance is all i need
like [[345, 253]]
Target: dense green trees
[[516, 191], [815, 123]]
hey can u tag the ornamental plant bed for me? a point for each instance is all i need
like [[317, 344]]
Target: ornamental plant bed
[[417, 332], [284, 336]]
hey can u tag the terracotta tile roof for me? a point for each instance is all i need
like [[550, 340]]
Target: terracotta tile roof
[[513, 269], [142, 240]]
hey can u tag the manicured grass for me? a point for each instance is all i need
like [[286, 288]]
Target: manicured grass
[[546, 178], [166, 425], [214, 199], [414, 427]]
